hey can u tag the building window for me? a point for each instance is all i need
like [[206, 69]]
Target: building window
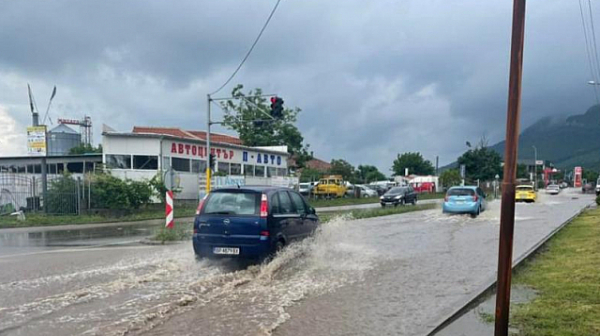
[[37, 169], [76, 167], [21, 169], [248, 170], [236, 169], [223, 167], [259, 171], [51, 168], [271, 171], [116, 162], [198, 166], [281, 172], [181, 165], [145, 162], [60, 168]]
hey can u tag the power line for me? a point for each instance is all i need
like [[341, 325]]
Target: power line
[[594, 38], [588, 52], [251, 48]]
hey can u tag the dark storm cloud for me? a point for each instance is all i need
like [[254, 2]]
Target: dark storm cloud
[[373, 78]]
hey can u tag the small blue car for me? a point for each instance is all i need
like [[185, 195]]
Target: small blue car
[[251, 222], [465, 200]]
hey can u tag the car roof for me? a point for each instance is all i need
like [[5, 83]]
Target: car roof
[[464, 187], [257, 189]]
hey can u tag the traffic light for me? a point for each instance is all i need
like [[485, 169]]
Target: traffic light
[[258, 123], [211, 161], [276, 107]]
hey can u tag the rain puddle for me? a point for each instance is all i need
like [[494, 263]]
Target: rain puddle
[[479, 320], [170, 289]]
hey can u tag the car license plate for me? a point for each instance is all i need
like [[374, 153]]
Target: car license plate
[[226, 250]]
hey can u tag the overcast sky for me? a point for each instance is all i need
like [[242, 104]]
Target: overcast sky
[[373, 78]]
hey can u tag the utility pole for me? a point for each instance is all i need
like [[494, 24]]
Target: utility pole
[[208, 172], [507, 211]]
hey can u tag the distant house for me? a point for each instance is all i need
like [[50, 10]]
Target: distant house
[[315, 164]]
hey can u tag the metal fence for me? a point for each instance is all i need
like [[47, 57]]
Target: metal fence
[[21, 192]]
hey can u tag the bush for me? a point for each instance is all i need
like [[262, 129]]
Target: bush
[[109, 192], [165, 234], [62, 195]]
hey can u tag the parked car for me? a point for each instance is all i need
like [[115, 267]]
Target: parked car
[[366, 191], [525, 193], [598, 187], [553, 189], [465, 200], [251, 222], [379, 188], [398, 196], [305, 188]]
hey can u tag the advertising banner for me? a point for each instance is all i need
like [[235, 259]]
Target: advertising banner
[[36, 140]]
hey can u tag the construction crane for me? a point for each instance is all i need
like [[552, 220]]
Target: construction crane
[[85, 128]]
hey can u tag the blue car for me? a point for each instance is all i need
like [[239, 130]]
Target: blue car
[[251, 222], [465, 200]]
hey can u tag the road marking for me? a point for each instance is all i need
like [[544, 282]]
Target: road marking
[[83, 249]]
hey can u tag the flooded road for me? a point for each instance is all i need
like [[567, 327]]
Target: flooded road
[[396, 275]]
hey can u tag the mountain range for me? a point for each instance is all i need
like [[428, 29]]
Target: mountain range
[[565, 142]]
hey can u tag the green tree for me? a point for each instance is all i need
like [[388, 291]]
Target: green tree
[[310, 175], [244, 109], [590, 175], [450, 178], [368, 174], [415, 163], [481, 163], [342, 167], [85, 149], [522, 171]]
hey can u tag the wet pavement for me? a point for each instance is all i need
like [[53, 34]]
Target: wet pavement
[[395, 275]]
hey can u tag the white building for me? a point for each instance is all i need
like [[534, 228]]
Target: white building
[[146, 151]]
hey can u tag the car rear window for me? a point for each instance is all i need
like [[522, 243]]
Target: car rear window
[[232, 203], [525, 188], [461, 192]]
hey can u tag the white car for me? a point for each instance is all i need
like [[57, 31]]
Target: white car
[[552, 189], [366, 191]]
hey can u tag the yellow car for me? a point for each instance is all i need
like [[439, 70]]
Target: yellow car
[[525, 193]]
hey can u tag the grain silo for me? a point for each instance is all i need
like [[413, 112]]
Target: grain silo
[[61, 139]]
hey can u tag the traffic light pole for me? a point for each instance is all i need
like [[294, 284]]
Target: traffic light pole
[[209, 123]]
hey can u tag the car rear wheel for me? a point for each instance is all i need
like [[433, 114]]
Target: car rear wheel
[[414, 202], [474, 215]]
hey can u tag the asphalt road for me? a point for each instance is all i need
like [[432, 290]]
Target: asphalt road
[[396, 275]]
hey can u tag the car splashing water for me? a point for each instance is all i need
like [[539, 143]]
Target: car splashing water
[[169, 288]]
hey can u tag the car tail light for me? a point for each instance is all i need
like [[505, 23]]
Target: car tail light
[[200, 205], [264, 233], [446, 198], [195, 230], [475, 198], [264, 206]]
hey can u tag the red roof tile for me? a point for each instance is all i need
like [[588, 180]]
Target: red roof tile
[[195, 135]]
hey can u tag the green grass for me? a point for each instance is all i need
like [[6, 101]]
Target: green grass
[[388, 211], [567, 278], [175, 234], [323, 203], [50, 220]]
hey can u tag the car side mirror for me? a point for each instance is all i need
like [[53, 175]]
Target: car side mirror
[[312, 211]]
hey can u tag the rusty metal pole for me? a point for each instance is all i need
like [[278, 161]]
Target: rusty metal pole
[[507, 214]]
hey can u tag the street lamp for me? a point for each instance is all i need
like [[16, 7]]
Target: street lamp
[[535, 164]]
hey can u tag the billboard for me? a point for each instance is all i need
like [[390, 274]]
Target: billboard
[[577, 177], [36, 140]]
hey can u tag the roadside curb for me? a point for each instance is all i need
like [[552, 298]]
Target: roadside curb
[[490, 285], [148, 241]]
